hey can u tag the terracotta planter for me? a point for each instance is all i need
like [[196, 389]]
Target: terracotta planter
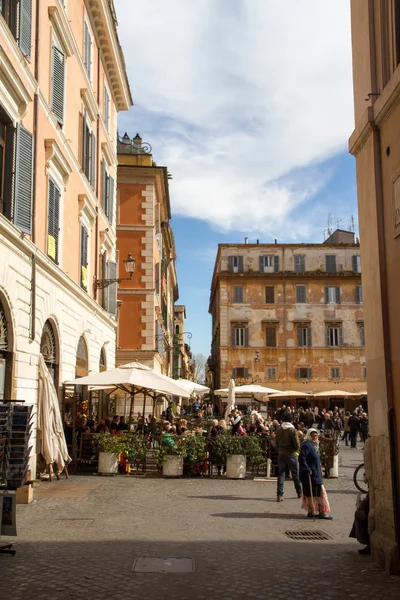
[[236, 466]]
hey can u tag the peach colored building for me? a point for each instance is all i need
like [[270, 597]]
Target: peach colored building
[[375, 144], [289, 316], [146, 302], [62, 83]]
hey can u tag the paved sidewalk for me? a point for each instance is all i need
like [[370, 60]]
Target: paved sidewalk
[[234, 531]]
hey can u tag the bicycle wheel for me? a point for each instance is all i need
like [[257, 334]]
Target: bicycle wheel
[[359, 479]]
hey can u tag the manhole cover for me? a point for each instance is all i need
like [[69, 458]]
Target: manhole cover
[[73, 523], [163, 565], [308, 535]]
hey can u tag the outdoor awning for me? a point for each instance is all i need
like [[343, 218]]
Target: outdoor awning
[[248, 389], [193, 387], [290, 394]]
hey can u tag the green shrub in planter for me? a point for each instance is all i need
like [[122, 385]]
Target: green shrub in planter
[[105, 442], [195, 448], [134, 447], [178, 448]]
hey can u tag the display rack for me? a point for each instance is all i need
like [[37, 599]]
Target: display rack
[[15, 431]]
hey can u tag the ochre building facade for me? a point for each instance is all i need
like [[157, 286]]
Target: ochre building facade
[[289, 316], [375, 144]]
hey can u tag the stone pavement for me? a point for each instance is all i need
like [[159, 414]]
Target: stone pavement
[[81, 538]]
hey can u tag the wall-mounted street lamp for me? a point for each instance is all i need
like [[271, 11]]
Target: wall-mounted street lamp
[[129, 263]]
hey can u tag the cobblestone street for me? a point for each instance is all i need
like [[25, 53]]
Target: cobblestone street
[[233, 530]]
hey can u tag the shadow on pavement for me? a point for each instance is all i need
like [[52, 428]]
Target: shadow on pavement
[[244, 515]]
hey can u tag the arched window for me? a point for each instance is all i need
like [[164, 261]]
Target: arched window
[[5, 355], [82, 361], [102, 362], [48, 348]]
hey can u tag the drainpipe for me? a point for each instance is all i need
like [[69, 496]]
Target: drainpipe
[[35, 121], [33, 298], [96, 243]]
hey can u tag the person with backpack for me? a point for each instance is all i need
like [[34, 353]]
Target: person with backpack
[[288, 446]]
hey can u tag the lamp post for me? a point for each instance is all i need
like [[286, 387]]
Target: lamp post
[[129, 263]]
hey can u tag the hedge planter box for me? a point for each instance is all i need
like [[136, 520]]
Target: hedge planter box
[[108, 463], [236, 466], [173, 466]]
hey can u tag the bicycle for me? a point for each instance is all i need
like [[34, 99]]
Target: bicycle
[[360, 480]]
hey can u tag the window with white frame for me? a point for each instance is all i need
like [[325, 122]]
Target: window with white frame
[[356, 261], [303, 373], [57, 92], [87, 218], [237, 294], [235, 264], [87, 147], [271, 373], [334, 336], [304, 336], [270, 336], [240, 336], [107, 192], [335, 373], [332, 294], [269, 264]]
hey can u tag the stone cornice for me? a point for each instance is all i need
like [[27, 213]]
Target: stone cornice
[[62, 28], [90, 103], [104, 25], [14, 88], [54, 154], [109, 154]]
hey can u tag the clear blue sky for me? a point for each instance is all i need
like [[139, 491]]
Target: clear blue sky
[[249, 105]]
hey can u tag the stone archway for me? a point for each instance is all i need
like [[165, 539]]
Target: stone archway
[[6, 354], [82, 359], [49, 348]]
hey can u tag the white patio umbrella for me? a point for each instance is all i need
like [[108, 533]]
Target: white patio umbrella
[[289, 394], [231, 399], [334, 394], [193, 387], [251, 388]]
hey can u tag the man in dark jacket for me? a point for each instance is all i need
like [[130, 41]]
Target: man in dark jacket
[[354, 424], [287, 443]]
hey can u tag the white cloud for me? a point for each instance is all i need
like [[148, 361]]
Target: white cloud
[[241, 99]]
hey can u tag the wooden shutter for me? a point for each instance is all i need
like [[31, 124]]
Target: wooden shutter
[[327, 294], [84, 257], [23, 180], [358, 294], [238, 294], [81, 141], [298, 373], [53, 220], [110, 198], [269, 295], [57, 84], [340, 336], [87, 49], [309, 373], [25, 26], [309, 337], [301, 294], [337, 295], [234, 373], [233, 334], [157, 277], [300, 340], [9, 173], [92, 173], [261, 262], [104, 186], [246, 373], [271, 337], [330, 262], [246, 336], [104, 275], [112, 288], [230, 264], [362, 336], [328, 337], [276, 264], [240, 264], [355, 263], [299, 263], [106, 108]]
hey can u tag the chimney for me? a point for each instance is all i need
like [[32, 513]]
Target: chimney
[[258, 241], [246, 240], [276, 241]]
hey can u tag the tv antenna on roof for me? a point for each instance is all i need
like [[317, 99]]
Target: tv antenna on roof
[[351, 224]]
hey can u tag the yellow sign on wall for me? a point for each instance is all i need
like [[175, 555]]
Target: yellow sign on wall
[[51, 247], [84, 276]]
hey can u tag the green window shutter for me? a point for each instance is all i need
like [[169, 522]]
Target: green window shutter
[[53, 221], [276, 264], [261, 262], [23, 180], [240, 264], [238, 294], [230, 264], [86, 149], [111, 192], [104, 274], [301, 294], [355, 263], [337, 294], [246, 336], [92, 173], [309, 373], [104, 186], [233, 334], [359, 294], [57, 83], [302, 263], [25, 27], [300, 341], [298, 373], [299, 263], [309, 337], [328, 336], [9, 172], [327, 294], [112, 288], [340, 337], [106, 108]]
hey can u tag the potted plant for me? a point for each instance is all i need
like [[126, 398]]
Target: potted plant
[[236, 457], [195, 453], [134, 449], [109, 448], [169, 456]]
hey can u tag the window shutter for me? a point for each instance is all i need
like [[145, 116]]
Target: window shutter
[[23, 180], [234, 373], [112, 288], [271, 337], [87, 51], [237, 294], [104, 274], [157, 277], [309, 337], [92, 173], [230, 264], [269, 295], [355, 265], [57, 84], [330, 263], [104, 186], [300, 337], [246, 373], [106, 108], [328, 337], [240, 264], [25, 27], [297, 373], [261, 262], [359, 294], [309, 373], [337, 294], [340, 336], [276, 264], [111, 199], [53, 222], [246, 336], [362, 336], [233, 333], [301, 294], [327, 294], [302, 263], [84, 257], [9, 173], [297, 263]]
